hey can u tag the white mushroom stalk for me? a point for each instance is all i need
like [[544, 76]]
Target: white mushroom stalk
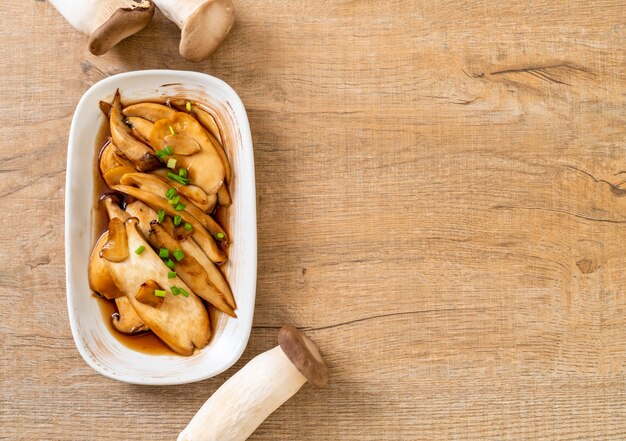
[[106, 22], [204, 24], [243, 402]]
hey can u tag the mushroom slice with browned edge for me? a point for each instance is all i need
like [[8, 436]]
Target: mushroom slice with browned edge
[[204, 168], [208, 122], [116, 247], [181, 321], [100, 279], [200, 234], [107, 22], [126, 320], [153, 184], [192, 192], [190, 270], [140, 154], [140, 128], [205, 118], [111, 158], [149, 111], [146, 215]]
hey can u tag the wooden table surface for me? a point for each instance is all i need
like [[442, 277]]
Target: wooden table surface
[[440, 208]]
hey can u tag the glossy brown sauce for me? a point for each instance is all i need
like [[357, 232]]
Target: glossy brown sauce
[[146, 342]]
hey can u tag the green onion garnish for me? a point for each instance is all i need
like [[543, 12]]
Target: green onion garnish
[[171, 163], [182, 172], [140, 249], [188, 226], [188, 106], [170, 263], [161, 153], [175, 200], [183, 292], [169, 149], [178, 219], [161, 216], [164, 253], [159, 293], [172, 130], [220, 235], [171, 274], [175, 290], [179, 207], [170, 193], [178, 255], [175, 177]]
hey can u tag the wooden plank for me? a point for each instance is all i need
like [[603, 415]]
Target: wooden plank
[[440, 207]]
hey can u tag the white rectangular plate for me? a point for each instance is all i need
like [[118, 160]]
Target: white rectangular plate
[[101, 350]]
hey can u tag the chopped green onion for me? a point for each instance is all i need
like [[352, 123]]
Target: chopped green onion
[[179, 207], [188, 106], [169, 149], [175, 290], [188, 226], [175, 177], [161, 216], [171, 163], [161, 153], [140, 249], [170, 263], [170, 193], [220, 235], [172, 130], [178, 219], [171, 274], [164, 253], [183, 292], [175, 200], [159, 293], [178, 255], [182, 172]]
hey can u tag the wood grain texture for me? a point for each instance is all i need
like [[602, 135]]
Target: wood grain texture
[[440, 206]]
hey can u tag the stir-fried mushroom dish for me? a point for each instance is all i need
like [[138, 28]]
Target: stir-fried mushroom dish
[[167, 174]]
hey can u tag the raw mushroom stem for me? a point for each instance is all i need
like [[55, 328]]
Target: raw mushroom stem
[[247, 398]]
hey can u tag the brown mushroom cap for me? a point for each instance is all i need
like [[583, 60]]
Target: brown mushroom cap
[[304, 355], [205, 29], [122, 24]]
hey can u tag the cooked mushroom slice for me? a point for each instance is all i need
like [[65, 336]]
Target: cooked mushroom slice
[[181, 321], [116, 247], [126, 320], [100, 279], [205, 168], [146, 215], [149, 111], [114, 176], [146, 295], [223, 196], [192, 192], [111, 202], [110, 158], [190, 270], [140, 128], [141, 155], [157, 186], [203, 117], [200, 234], [107, 22]]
